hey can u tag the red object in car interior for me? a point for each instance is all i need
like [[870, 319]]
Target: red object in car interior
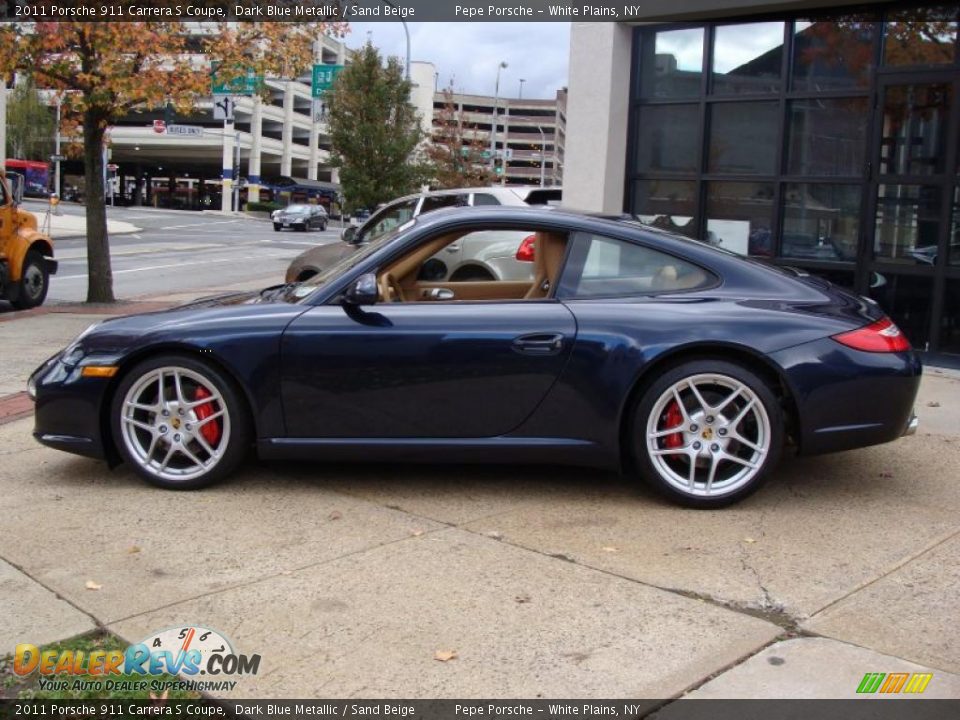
[[526, 251]]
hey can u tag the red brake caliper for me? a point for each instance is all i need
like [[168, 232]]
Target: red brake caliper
[[673, 418], [210, 431]]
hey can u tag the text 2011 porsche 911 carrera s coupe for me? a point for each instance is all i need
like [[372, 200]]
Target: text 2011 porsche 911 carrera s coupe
[[630, 349]]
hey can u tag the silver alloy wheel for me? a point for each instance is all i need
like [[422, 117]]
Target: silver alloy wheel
[[33, 281], [162, 423], [720, 442]]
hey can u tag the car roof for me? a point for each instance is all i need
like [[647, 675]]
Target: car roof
[[513, 195]]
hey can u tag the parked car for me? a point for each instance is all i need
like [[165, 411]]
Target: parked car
[[300, 217], [629, 349], [489, 258]]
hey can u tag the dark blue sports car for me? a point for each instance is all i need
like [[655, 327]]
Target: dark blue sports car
[[630, 348]]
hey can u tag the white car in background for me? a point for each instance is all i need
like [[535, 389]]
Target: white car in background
[[489, 255]]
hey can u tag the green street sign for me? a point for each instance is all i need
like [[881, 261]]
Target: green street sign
[[323, 77], [247, 84]]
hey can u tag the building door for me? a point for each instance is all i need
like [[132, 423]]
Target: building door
[[912, 218]]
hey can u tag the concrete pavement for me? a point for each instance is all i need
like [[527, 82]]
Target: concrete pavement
[[347, 579]]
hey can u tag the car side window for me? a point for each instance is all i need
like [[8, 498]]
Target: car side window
[[435, 202], [387, 219], [484, 199], [603, 267]]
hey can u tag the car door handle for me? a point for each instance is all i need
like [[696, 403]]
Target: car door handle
[[538, 344]]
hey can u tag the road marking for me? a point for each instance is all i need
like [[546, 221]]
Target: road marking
[[203, 224], [66, 257], [182, 265]]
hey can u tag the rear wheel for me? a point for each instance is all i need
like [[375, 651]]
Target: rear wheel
[[179, 423], [707, 433], [34, 282], [276, 227]]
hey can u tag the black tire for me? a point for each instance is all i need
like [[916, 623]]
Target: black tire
[[472, 274], [656, 472], [323, 226], [276, 227], [236, 446], [34, 282]]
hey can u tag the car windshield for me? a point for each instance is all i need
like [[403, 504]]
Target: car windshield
[[298, 209], [334, 271]]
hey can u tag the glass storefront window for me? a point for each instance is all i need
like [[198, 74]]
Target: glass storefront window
[[834, 54], [672, 63], [668, 138], [907, 299], [821, 221], [743, 137], [954, 255], [915, 120], [667, 204], [827, 136], [950, 323], [907, 223], [740, 217], [921, 36], [747, 58]]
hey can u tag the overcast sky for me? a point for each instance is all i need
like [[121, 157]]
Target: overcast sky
[[468, 53]]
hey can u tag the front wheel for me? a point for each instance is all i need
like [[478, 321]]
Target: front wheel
[[707, 433], [34, 282], [276, 227], [179, 423]]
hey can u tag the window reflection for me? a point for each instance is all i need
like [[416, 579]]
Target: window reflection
[[820, 221], [915, 121], [668, 138], [743, 137], [835, 54], [921, 36], [747, 58], [954, 255], [666, 204], [672, 63], [827, 137], [740, 217], [907, 223], [906, 299], [950, 324]]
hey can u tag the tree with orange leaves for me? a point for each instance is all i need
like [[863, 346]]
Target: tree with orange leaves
[[456, 151], [106, 70]]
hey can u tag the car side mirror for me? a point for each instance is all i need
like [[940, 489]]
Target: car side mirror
[[362, 291], [348, 234]]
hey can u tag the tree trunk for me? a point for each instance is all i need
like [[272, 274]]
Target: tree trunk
[[99, 274]]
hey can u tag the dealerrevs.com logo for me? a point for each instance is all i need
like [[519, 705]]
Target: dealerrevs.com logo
[[202, 657]]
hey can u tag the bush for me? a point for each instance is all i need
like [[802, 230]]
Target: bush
[[263, 206]]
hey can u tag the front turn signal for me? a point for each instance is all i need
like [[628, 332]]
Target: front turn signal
[[99, 371]]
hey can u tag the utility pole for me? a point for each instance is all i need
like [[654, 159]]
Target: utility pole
[[543, 154], [56, 151], [493, 124]]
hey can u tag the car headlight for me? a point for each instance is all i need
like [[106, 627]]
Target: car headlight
[[32, 388], [72, 353]]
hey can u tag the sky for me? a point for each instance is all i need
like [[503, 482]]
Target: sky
[[468, 53]]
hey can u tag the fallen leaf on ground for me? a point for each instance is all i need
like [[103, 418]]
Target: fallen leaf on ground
[[335, 515], [133, 549], [416, 533], [749, 540], [494, 534], [445, 655], [609, 548], [91, 585], [522, 599], [933, 403], [286, 572]]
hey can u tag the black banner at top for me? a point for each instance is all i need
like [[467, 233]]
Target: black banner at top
[[327, 10]]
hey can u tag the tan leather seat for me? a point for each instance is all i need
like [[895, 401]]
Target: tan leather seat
[[549, 249]]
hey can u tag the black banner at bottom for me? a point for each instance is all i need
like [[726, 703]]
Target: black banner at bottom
[[873, 708]]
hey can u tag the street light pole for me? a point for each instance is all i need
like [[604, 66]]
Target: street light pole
[[56, 152], [493, 124], [543, 154], [406, 32], [522, 81]]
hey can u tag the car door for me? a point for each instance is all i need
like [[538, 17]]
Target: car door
[[422, 369]]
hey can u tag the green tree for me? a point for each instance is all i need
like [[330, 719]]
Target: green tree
[[456, 152], [374, 131], [30, 124]]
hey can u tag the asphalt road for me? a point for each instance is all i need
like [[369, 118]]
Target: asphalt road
[[182, 251]]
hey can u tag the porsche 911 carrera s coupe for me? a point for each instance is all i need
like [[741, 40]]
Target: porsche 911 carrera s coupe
[[630, 349]]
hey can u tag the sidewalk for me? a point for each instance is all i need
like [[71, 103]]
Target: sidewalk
[[67, 226]]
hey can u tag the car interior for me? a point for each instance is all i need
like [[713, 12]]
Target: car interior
[[403, 281]]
